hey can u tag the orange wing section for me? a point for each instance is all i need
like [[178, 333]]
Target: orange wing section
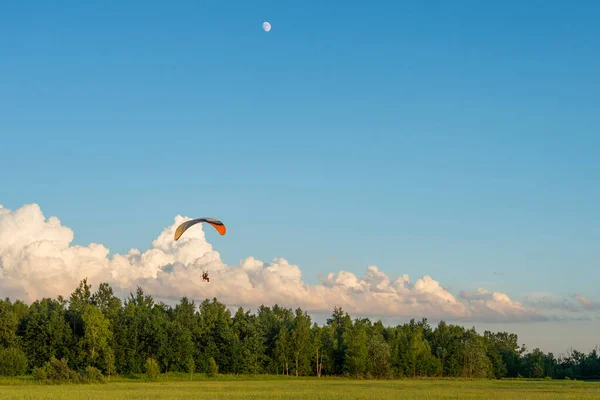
[[220, 228]]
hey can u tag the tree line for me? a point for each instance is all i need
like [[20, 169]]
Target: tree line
[[96, 331]]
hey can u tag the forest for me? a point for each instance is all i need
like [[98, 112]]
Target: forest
[[98, 330]]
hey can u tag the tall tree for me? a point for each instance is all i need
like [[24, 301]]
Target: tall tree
[[107, 302], [283, 354], [476, 364], [9, 323], [301, 343], [96, 335], [379, 356], [45, 332], [340, 323], [356, 349], [214, 337], [506, 344], [250, 334]]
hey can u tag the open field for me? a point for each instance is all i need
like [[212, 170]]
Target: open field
[[304, 388]]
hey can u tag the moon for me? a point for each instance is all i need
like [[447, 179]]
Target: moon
[[266, 26]]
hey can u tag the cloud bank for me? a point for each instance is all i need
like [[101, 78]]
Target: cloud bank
[[37, 260]]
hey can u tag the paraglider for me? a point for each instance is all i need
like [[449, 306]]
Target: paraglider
[[218, 225]]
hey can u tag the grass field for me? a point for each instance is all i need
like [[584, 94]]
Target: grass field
[[303, 388]]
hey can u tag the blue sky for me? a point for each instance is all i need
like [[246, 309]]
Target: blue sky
[[458, 140]]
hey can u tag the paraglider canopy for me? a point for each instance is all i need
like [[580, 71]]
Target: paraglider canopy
[[218, 225]]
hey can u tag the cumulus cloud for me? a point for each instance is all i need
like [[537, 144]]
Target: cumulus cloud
[[587, 303], [559, 308], [37, 260], [547, 301]]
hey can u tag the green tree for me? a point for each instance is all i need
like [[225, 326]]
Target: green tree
[[446, 347], [8, 325], [109, 304], [327, 350], [340, 323], [96, 336], [214, 336], [213, 368], [108, 357], [300, 341], [316, 334], [45, 332], [181, 347], [191, 366], [476, 364], [506, 345], [283, 350], [250, 341], [356, 356], [13, 362], [379, 356], [152, 369]]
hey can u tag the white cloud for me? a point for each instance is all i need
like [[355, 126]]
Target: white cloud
[[587, 303], [37, 260], [489, 304]]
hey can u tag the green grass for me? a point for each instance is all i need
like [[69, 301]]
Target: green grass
[[245, 387]]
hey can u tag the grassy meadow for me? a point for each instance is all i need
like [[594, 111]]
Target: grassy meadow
[[242, 388]]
